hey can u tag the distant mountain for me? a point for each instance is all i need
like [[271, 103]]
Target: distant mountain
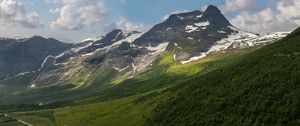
[[26, 55], [114, 50]]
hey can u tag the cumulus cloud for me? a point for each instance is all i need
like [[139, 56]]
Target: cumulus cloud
[[77, 14], [237, 5], [127, 26], [263, 21], [286, 17], [13, 14], [290, 9]]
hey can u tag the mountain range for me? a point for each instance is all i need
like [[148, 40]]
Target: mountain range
[[154, 77]]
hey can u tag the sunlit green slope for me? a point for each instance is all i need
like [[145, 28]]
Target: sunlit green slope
[[261, 89]]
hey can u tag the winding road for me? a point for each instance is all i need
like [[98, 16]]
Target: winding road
[[20, 121]]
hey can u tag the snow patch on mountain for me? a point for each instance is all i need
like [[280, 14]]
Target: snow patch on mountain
[[128, 39], [174, 57], [120, 69], [175, 44], [199, 16], [119, 33], [238, 39], [245, 40], [32, 86], [220, 31], [168, 29], [77, 49], [190, 28], [190, 38], [45, 60], [92, 39], [195, 26], [233, 38], [157, 49], [180, 17], [202, 55], [54, 62], [133, 37], [202, 24]]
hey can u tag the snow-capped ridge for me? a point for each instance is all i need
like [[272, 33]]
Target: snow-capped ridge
[[92, 39]]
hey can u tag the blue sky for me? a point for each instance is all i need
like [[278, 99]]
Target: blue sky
[[75, 20], [152, 11]]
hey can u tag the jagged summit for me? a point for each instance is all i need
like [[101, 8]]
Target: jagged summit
[[177, 20], [215, 17], [194, 32], [111, 37], [36, 37], [212, 10], [193, 15]]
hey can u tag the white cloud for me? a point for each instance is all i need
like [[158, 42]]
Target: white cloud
[[13, 14], [268, 20], [54, 10], [53, 1], [77, 14], [237, 5], [127, 26], [290, 9], [263, 21]]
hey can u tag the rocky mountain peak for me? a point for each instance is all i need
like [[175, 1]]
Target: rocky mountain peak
[[212, 10], [111, 37], [215, 17], [177, 20]]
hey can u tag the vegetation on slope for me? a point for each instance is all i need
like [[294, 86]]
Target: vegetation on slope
[[219, 89], [261, 89], [130, 102]]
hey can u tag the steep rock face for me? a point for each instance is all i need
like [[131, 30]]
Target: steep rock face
[[120, 57], [111, 37], [215, 17], [23, 55]]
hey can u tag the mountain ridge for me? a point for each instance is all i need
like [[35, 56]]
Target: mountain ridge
[[17, 55], [186, 36]]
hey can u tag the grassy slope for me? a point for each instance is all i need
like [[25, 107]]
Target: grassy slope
[[132, 101], [37, 117], [261, 89], [20, 83], [66, 91], [6, 121]]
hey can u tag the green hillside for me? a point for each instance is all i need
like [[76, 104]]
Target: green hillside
[[262, 88], [240, 87], [130, 102]]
